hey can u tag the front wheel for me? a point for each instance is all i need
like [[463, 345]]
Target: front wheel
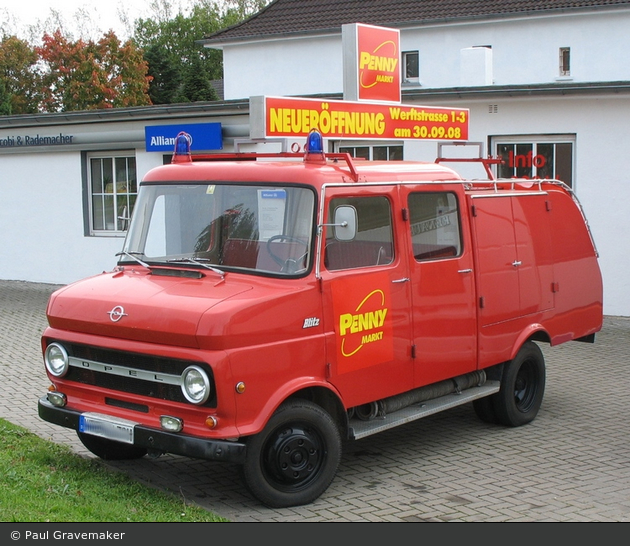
[[522, 387], [110, 450], [295, 458]]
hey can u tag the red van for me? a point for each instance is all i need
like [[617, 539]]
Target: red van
[[267, 307]]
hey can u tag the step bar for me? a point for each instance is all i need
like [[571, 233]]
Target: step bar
[[360, 429]]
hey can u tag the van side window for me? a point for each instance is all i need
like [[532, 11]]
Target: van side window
[[435, 231], [373, 244]]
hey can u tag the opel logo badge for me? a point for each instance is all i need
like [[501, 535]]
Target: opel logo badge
[[117, 313]]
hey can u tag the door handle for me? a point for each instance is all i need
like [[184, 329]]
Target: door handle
[[404, 279], [465, 271], [516, 263]]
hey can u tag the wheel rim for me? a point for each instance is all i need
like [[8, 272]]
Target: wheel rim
[[525, 387], [294, 456]]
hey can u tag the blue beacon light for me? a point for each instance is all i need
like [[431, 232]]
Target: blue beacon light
[[314, 146], [182, 148]]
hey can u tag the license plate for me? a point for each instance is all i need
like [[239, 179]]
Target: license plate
[[106, 426]]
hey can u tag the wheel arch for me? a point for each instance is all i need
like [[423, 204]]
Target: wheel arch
[[301, 388], [327, 400], [533, 332]]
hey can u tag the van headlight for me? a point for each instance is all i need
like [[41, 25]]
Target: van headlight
[[56, 360], [195, 385]]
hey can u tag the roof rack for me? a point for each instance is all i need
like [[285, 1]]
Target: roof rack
[[487, 162]]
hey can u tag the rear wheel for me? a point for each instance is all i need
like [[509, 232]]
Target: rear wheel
[[110, 450], [522, 387], [296, 456], [484, 408]]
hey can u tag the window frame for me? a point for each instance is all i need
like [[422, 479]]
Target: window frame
[[535, 141], [131, 183], [373, 245], [408, 56], [443, 221], [393, 151], [564, 64]]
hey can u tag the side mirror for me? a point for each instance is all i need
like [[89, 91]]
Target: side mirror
[[345, 223]]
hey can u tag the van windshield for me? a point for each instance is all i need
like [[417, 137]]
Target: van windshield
[[267, 229]]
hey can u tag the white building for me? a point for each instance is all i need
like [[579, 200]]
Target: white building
[[547, 85]]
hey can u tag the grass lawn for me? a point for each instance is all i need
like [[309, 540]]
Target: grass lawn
[[41, 481]]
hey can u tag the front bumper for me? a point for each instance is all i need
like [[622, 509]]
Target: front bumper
[[155, 439]]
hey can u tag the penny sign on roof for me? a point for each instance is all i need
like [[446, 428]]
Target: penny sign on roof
[[371, 63]]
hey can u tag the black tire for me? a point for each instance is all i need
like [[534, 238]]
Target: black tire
[[484, 408], [110, 450], [522, 387], [295, 458]]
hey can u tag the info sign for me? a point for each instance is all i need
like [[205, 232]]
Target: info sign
[[284, 117]]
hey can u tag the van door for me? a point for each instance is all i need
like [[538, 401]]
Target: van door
[[515, 257], [514, 267], [442, 284], [366, 300]]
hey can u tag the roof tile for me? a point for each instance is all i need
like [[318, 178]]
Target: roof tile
[[283, 17]]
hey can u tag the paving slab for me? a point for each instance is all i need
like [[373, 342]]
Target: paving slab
[[571, 464]]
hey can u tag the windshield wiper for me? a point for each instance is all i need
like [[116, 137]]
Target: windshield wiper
[[200, 261], [131, 255]]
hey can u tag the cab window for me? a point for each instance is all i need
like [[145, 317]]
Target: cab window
[[435, 225], [373, 244]]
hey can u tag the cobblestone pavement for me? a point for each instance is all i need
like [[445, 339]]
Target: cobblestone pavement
[[571, 464]]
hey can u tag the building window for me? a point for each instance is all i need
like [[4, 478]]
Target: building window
[[537, 159], [113, 190], [411, 66], [565, 61], [380, 153]]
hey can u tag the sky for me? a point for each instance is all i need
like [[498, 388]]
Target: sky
[[17, 15]]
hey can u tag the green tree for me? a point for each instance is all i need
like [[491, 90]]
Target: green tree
[[182, 70], [170, 45], [84, 75], [195, 85], [166, 75], [239, 10], [19, 75]]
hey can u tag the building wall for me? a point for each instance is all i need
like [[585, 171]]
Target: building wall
[[284, 68], [42, 219], [524, 51], [42, 209]]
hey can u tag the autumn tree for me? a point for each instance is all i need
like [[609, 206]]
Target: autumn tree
[[88, 75], [19, 76], [5, 100]]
